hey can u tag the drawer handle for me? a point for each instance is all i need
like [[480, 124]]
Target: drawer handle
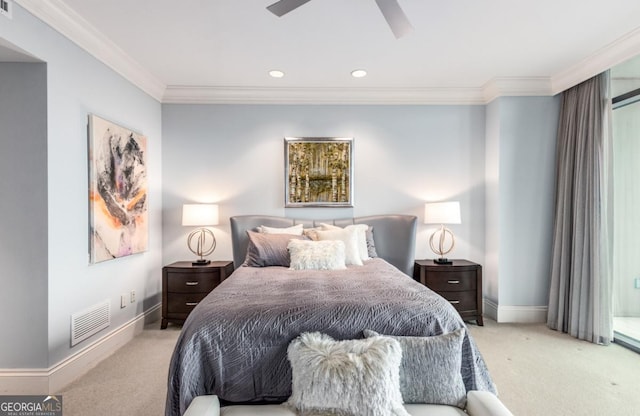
[[453, 282], [192, 283], [454, 302], [192, 303]]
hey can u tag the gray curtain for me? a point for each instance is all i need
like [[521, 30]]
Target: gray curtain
[[581, 277]]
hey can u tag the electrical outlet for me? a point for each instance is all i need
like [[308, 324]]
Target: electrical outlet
[[123, 301], [133, 296], [636, 283]]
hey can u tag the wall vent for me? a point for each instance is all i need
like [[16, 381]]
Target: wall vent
[[90, 321], [6, 7]]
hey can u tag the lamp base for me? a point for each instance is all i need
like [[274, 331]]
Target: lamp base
[[201, 262], [442, 260]]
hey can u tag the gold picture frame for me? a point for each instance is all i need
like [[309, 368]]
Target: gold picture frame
[[318, 172]]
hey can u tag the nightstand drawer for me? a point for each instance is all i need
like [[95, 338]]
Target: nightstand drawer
[[184, 285], [459, 281], [181, 282], [462, 301], [452, 280], [183, 302]]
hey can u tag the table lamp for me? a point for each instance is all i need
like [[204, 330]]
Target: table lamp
[[200, 215], [442, 213]]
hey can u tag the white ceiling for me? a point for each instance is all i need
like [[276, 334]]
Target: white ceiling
[[227, 47]]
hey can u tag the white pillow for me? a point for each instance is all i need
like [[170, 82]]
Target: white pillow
[[316, 255], [295, 230], [352, 377], [361, 230], [350, 240]]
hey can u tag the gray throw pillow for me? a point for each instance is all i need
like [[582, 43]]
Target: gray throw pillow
[[269, 249], [371, 245], [431, 368], [352, 377]]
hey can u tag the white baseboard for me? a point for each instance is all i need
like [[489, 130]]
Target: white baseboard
[[24, 382], [55, 378], [490, 309], [515, 314]]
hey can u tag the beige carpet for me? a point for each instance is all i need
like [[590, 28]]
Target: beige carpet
[[543, 372], [132, 382], [539, 372]]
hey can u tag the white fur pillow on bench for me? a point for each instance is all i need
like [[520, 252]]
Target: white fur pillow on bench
[[352, 377]]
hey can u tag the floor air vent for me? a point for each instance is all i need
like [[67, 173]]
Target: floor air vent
[[90, 321], [5, 8]]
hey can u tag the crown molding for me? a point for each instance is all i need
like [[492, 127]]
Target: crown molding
[[618, 51], [497, 87], [516, 86], [320, 95], [65, 20]]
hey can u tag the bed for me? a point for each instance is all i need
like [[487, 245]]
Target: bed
[[234, 343]]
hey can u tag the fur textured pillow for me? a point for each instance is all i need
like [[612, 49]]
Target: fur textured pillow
[[268, 249], [353, 377], [430, 369], [316, 255]]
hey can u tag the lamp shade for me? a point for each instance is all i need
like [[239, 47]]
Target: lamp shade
[[442, 213], [199, 214]]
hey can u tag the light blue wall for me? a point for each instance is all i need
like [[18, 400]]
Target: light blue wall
[[491, 284], [23, 223], [498, 160], [524, 137], [403, 156], [77, 84]]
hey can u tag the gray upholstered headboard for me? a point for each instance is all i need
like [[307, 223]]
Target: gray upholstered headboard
[[394, 235]]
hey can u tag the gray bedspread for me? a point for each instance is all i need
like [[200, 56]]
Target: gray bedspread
[[234, 343]]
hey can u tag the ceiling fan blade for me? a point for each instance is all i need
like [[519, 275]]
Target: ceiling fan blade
[[283, 7], [395, 17]]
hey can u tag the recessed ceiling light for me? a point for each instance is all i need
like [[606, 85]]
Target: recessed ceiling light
[[358, 73], [276, 73]]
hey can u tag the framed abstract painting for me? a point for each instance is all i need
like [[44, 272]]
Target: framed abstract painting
[[117, 191], [318, 171]]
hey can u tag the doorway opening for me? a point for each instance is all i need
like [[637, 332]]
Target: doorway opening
[[626, 203]]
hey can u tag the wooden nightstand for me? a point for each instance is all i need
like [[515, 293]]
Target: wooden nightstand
[[460, 283], [184, 285]]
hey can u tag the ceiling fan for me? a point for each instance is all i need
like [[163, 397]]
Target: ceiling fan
[[390, 9]]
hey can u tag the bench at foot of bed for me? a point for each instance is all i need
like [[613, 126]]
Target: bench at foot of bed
[[479, 403]]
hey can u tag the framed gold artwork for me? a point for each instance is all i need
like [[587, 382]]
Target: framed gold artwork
[[318, 172]]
